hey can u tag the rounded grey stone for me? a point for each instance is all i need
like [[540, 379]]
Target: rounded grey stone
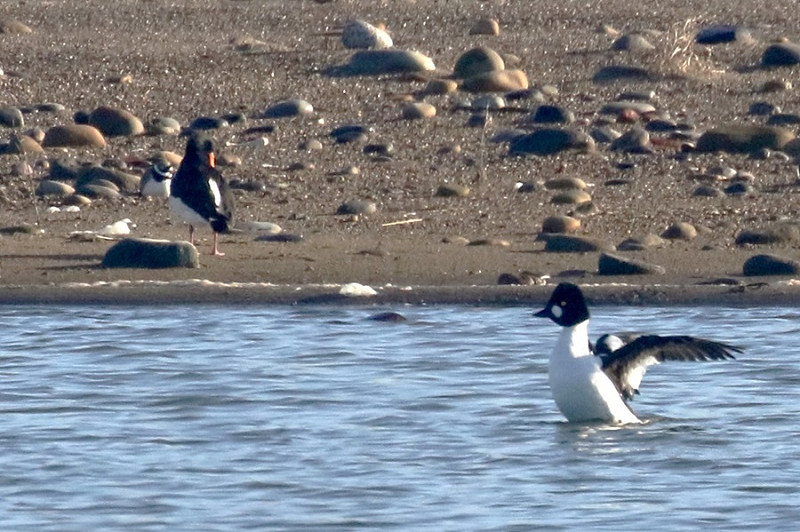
[[476, 61], [560, 243], [743, 138], [781, 54], [48, 187], [11, 117], [680, 231], [552, 114], [759, 265], [632, 42], [635, 140], [288, 109], [377, 62], [784, 233], [612, 264], [357, 206], [721, 34], [550, 142], [153, 254], [640, 243]]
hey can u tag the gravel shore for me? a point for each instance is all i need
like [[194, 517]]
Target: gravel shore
[[448, 208]]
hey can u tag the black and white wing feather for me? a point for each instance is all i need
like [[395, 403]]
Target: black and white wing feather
[[626, 357]]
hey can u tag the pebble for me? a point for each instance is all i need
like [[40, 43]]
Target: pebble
[[499, 242], [310, 145], [743, 138], [632, 42], [507, 135], [450, 190], [571, 197], [148, 253], [723, 33], [94, 174], [357, 290], [115, 122], [613, 264], [21, 168], [782, 233], [286, 238], [73, 136], [288, 109], [438, 87], [379, 150], [388, 317], [604, 134], [48, 187], [680, 231], [11, 117], [496, 81], [774, 85], [357, 206], [552, 114], [637, 96], [662, 125], [640, 243], [476, 61], [615, 73], [707, 191], [783, 119], [615, 108], [162, 126], [738, 189], [95, 191], [635, 140], [560, 224], [378, 62], [560, 243], [348, 130], [480, 119], [488, 101], [418, 110], [208, 122], [227, 158], [781, 54], [77, 200], [259, 227], [534, 95], [565, 183], [485, 26], [767, 264], [24, 144], [358, 34], [12, 26], [551, 141]]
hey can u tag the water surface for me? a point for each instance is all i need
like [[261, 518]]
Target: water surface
[[316, 418]]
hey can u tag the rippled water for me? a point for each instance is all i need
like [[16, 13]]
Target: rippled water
[[316, 418]]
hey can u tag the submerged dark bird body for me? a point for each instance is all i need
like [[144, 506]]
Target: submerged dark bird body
[[594, 382], [199, 194]]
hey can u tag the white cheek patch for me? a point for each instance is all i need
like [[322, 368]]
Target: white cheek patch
[[557, 311]]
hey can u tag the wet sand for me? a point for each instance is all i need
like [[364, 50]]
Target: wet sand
[[182, 62]]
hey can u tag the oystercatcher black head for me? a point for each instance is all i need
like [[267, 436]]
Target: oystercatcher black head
[[199, 194]]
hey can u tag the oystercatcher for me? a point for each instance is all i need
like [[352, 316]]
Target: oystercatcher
[[594, 383], [199, 194]]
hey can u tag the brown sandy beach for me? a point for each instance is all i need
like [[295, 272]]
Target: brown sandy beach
[[186, 59]]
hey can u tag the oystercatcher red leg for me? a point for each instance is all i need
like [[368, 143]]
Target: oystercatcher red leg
[[217, 252]]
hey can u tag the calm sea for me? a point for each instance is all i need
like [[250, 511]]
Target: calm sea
[[220, 418]]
